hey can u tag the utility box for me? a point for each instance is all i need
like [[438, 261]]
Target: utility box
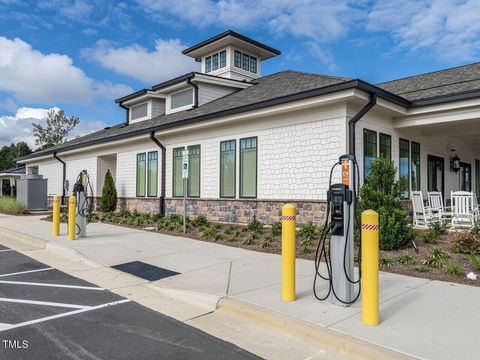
[[32, 192]]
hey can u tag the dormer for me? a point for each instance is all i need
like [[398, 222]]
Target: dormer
[[143, 105], [231, 55]]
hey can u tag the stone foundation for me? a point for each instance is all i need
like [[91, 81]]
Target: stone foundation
[[242, 211]]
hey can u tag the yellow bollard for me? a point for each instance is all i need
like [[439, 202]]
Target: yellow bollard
[[72, 212], [56, 216], [288, 252], [370, 307]]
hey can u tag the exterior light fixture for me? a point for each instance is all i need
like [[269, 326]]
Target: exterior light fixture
[[454, 161]]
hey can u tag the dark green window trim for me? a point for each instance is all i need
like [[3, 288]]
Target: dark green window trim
[[385, 146], [415, 166], [215, 61], [152, 181], [177, 189], [369, 150], [404, 168], [223, 58], [208, 64], [237, 59], [245, 145], [140, 178], [193, 152], [228, 147]]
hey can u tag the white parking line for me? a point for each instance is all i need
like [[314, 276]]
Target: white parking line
[[51, 285], [5, 250], [74, 312], [26, 272], [44, 303], [4, 326]]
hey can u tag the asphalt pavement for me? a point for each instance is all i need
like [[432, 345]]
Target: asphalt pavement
[[48, 314]]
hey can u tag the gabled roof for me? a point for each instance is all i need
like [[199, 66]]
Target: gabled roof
[[448, 82], [14, 171]]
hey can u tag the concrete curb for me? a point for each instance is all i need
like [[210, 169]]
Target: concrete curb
[[334, 340], [23, 238]]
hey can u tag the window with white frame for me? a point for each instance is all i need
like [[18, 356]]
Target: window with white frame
[[245, 61], [216, 61], [181, 98], [139, 111]]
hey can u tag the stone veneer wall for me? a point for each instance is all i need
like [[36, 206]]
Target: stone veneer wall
[[242, 211]]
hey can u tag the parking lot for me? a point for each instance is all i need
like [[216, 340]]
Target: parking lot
[[47, 314]]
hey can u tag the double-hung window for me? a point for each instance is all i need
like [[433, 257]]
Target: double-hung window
[[208, 64], [415, 166], [248, 167], [237, 59], [227, 168], [369, 150], [152, 174], [223, 58], [177, 189], [404, 169], [246, 62], [253, 64], [141, 169], [385, 148], [214, 61], [193, 189]]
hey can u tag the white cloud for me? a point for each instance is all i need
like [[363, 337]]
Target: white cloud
[[162, 63], [18, 127], [449, 28], [31, 76]]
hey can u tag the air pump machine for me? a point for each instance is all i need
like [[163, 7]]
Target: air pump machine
[[80, 191], [336, 243]]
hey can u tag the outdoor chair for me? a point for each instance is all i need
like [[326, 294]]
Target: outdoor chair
[[422, 215], [463, 214], [435, 202], [475, 207]]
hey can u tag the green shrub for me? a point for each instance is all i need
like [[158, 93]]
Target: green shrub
[[266, 242], [218, 237], [475, 261], [434, 231], [10, 205], [308, 231], [381, 193], [199, 221], [108, 200], [453, 269], [464, 242], [406, 259], [476, 229], [422, 269], [436, 258], [229, 230], [386, 262], [207, 232], [277, 228], [232, 238], [255, 226], [250, 239]]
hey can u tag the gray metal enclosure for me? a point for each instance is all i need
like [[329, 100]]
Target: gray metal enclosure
[[32, 192]]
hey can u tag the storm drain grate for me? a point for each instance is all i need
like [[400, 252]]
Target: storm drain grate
[[145, 271]]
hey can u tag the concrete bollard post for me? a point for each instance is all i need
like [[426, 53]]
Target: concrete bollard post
[[370, 301], [56, 216], [72, 212], [288, 252]]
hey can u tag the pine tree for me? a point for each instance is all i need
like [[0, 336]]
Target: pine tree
[[108, 200]]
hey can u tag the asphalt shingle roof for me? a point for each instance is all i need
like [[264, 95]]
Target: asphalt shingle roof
[[438, 83]]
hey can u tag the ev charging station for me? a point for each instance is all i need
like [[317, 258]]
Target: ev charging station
[[80, 191]]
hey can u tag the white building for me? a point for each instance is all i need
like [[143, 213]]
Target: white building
[[257, 142]]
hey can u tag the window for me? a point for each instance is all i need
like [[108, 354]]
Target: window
[[248, 167], [246, 62], [238, 59], [152, 174], [177, 189], [193, 189], [465, 177], [227, 168], [139, 111], [385, 150], [223, 58], [369, 150], [208, 64], [214, 61], [141, 174], [415, 166], [404, 169], [477, 177], [253, 64], [435, 173], [182, 98]]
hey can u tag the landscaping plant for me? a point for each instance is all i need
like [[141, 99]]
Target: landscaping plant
[[255, 226], [108, 200], [475, 261], [10, 205], [199, 221], [406, 259], [207, 232], [381, 193], [453, 269], [277, 228], [266, 242], [436, 258], [464, 242], [434, 231], [386, 262], [250, 239]]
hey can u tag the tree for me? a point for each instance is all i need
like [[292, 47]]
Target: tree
[[56, 129], [108, 200], [9, 152]]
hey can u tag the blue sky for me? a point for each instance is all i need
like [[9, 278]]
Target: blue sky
[[80, 55]]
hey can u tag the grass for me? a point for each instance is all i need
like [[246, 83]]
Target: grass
[[10, 205], [453, 269], [386, 262], [436, 258], [406, 259], [475, 261]]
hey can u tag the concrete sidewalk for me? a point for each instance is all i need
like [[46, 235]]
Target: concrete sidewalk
[[419, 317]]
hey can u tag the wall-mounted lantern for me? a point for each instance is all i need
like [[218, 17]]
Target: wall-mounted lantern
[[454, 161]]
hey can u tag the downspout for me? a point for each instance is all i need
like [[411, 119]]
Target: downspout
[[127, 113], [164, 167], [64, 176], [355, 119], [195, 90]]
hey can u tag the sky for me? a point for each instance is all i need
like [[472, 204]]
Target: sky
[[81, 55]]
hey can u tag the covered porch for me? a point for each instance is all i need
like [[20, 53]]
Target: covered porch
[[8, 179]]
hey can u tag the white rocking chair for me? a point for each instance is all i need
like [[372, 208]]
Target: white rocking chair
[[475, 207], [462, 209], [422, 215], [435, 202]]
